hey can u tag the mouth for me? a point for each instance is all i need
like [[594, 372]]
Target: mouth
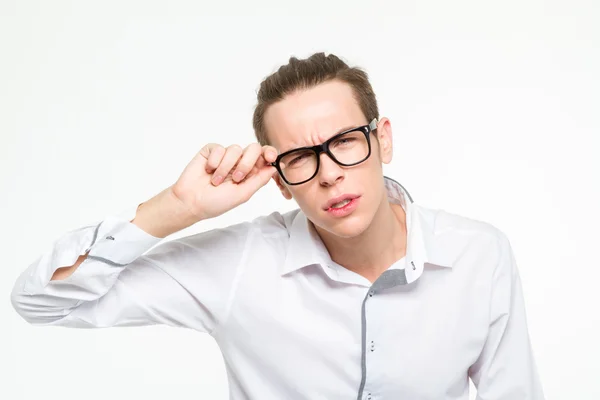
[[339, 201]]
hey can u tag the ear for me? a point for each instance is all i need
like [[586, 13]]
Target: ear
[[282, 186], [384, 139]]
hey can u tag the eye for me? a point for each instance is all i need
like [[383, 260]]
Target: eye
[[297, 159], [344, 141]]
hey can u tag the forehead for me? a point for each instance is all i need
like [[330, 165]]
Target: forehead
[[310, 116]]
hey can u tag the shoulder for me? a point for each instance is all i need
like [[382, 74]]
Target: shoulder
[[275, 224], [444, 222], [232, 243], [464, 239]]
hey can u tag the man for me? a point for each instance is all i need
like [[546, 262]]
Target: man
[[360, 293]]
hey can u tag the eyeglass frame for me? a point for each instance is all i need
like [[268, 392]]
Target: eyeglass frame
[[324, 148]]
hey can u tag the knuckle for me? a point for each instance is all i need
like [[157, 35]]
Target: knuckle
[[216, 152], [236, 148], [243, 166], [254, 147], [214, 159]]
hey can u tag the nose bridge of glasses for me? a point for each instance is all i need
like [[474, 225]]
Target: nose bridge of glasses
[[325, 149], [326, 158], [321, 148]]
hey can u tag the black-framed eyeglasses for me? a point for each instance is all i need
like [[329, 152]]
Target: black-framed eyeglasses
[[347, 148]]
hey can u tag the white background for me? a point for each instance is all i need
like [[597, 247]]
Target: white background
[[495, 113]]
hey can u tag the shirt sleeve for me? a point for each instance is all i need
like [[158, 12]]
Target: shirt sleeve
[[506, 369], [186, 282]]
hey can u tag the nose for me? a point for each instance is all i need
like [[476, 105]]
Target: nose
[[330, 172]]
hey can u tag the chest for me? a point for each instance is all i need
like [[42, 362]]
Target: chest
[[323, 339]]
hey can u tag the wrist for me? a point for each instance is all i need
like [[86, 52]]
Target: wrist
[[164, 214]]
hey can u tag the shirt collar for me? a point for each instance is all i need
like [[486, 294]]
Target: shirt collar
[[306, 247]]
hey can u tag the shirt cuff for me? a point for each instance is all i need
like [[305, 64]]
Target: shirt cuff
[[118, 241]]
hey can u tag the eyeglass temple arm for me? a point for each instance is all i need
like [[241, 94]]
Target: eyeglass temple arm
[[373, 124]]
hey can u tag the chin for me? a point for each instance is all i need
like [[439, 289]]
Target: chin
[[348, 227]]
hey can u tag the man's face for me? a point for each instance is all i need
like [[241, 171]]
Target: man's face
[[310, 117]]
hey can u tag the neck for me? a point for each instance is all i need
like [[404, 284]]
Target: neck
[[372, 252]]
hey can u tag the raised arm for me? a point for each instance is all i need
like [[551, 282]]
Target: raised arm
[[101, 276]]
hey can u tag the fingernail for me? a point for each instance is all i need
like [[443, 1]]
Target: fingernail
[[217, 179], [237, 176]]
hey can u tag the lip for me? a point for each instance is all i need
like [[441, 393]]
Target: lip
[[345, 210], [337, 199]]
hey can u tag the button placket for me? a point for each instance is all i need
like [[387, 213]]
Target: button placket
[[372, 348], [369, 395], [369, 347]]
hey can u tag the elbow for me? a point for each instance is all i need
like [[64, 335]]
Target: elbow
[[30, 308], [20, 303]]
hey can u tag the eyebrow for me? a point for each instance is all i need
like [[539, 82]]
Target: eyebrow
[[345, 129]]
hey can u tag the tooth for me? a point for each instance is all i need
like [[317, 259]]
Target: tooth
[[341, 203]]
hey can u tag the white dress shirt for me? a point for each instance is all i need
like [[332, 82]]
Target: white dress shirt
[[293, 324]]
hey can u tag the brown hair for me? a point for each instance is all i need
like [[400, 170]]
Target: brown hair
[[306, 73]]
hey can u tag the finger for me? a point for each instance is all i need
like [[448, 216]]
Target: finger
[[256, 181], [215, 155], [205, 151], [269, 153], [252, 172], [247, 162], [231, 157]]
